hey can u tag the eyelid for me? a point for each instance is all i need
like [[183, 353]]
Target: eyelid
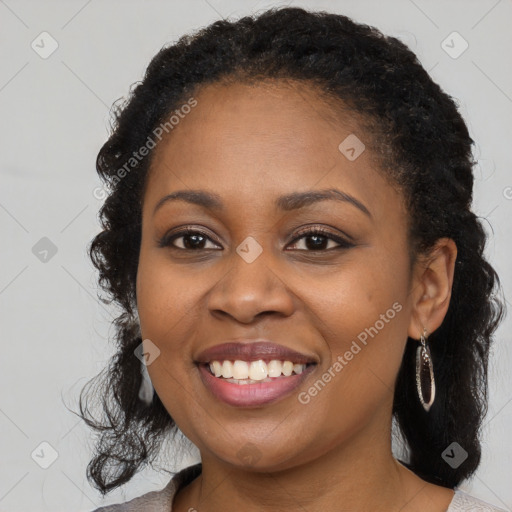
[[326, 231]]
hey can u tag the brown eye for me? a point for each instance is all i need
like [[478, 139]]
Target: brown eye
[[319, 239], [192, 240]]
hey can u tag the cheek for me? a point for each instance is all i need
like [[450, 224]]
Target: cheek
[[362, 314], [360, 294], [166, 294], [166, 303]]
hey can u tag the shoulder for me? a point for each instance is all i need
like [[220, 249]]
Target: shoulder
[[463, 502], [157, 501]]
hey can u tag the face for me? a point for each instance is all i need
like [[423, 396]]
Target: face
[[248, 270]]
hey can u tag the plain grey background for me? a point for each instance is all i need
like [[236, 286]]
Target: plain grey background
[[54, 118]]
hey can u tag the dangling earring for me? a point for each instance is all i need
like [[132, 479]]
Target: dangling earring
[[425, 373], [146, 389]]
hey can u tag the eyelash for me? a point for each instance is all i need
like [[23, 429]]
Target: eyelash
[[166, 240]]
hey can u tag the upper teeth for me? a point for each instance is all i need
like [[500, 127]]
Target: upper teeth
[[254, 370]]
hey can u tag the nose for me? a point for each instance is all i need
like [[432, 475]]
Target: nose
[[250, 290]]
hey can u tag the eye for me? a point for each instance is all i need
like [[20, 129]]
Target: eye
[[191, 239], [313, 239], [319, 240]]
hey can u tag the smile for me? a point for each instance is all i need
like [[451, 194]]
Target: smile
[[253, 383], [252, 373]]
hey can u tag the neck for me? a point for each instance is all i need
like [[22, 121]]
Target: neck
[[359, 474]]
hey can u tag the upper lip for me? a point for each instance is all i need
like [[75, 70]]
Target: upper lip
[[252, 350]]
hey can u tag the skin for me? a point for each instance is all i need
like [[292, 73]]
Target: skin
[[250, 145]]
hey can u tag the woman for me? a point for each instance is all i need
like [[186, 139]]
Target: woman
[[290, 237]]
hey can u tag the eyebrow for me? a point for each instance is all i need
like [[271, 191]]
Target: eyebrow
[[293, 201]]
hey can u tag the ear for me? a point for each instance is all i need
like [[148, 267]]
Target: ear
[[432, 287]]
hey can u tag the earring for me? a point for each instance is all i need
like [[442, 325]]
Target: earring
[[425, 373], [146, 389]]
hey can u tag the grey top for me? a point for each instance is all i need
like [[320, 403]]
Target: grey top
[[161, 501], [157, 501]]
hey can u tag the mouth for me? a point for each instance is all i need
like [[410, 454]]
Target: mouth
[[253, 374]]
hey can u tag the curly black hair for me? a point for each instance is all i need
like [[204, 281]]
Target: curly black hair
[[423, 147]]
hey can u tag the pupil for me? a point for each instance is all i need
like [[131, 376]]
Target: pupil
[[195, 244], [320, 242]]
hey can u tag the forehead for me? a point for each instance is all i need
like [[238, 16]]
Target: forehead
[[290, 119], [243, 140]]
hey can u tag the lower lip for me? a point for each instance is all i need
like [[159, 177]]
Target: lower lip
[[250, 395]]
